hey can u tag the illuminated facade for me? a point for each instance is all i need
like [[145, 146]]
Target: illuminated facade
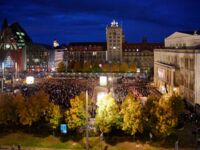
[[177, 69], [19, 53], [114, 38], [114, 50]]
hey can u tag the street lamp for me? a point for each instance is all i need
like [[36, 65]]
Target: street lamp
[[86, 109]]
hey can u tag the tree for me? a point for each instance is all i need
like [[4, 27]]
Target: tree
[[166, 115], [149, 113], [107, 114], [53, 115], [8, 109], [61, 67], [132, 68], [76, 116], [33, 108], [123, 67], [115, 68], [77, 67], [131, 112], [96, 68], [86, 67], [105, 68]]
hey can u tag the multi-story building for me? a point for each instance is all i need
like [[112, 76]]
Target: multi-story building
[[114, 38], [140, 54], [176, 68], [114, 50], [19, 53]]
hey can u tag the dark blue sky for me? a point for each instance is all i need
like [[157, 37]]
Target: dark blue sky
[[86, 20]]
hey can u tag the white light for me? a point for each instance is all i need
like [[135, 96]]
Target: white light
[[138, 70], [110, 79], [101, 95], [103, 81], [7, 46], [114, 47], [29, 80]]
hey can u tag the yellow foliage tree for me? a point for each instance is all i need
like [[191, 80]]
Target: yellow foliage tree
[[132, 68], [115, 68], [105, 68], [124, 67]]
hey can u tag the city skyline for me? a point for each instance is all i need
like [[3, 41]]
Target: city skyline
[[83, 21]]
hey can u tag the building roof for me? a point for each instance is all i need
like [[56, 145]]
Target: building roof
[[15, 27], [87, 46], [141, 46], [191, 32]]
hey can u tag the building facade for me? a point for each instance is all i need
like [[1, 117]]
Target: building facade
[[114, 38], [177, 69], [19, 53]]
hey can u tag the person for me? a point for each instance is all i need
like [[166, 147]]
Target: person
[[176, 144], [150, 136], [19, 147]]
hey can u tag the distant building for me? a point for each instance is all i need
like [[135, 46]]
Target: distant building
[[114, 38], [176, 68], [114, 50], [19, 53]]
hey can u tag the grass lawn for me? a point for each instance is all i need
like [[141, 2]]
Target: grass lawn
[[187, 142], [28, 140]]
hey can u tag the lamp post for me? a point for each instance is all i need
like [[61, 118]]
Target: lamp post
[[87, 134], [2, 76]]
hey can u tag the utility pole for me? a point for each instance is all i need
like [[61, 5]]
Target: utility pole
[[2, 76], [87, 135]]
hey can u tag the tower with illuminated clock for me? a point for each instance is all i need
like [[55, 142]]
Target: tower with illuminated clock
[[114, 38]]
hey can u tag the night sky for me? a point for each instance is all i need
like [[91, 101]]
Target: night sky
[[86, 20]]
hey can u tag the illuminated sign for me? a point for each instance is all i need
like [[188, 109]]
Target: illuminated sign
[[103, 81], [63, 128], [29, 80]]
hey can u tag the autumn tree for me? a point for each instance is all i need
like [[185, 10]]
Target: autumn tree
[[167, 114], [33, 108], [123, 67], [8, 109], [86, 67], [149, 114], [105, 68], [61, 67], [131, 112], [132, 68], [78, 67], [115, 68], [107, 114], [75, 116], [53, 115]]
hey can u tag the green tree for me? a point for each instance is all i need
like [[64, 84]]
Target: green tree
[[131, 112], [53, 115], [107, 114], [8, 109], [123, 67], [61, 67], [96, 68], [76, 115]]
